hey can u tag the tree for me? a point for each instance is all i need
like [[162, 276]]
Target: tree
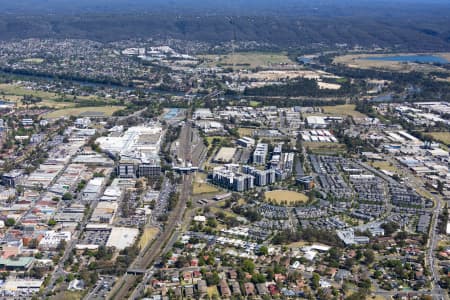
[[389, 228], [62, 245], [370, 256], [333, 258], [67, 196], [33, 244], [248, 266], [263, 250], [211, 222], [311, 196], [258, 278], [10, 222], [349, 263], [212, 278], [440, 186], [315, 281]]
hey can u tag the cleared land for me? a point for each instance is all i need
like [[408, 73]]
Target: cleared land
[[275, 75], [69, 295], [34, 60], [280, 196], [200, 186], [343, 110], [443, 137], [384, 165], [243, 131], [444, 55], [84, 111], [227, 213], [148, 235], [360, 61], [325, 148], [297, 244], [243, 60], [328, 86], [225, 154]]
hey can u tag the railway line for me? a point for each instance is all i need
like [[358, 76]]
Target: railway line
[[143, 262]]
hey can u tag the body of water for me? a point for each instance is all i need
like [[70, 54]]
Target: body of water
[[426, 59], [172, 113], [305, 60]]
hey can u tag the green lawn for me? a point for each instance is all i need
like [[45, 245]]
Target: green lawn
[[343, 110], [247, 60], [16, 90], [443, 137], [79, 111]]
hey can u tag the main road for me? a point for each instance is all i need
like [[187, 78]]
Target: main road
[[436, 292]]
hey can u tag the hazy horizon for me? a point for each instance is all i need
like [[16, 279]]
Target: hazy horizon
[[238, 7]]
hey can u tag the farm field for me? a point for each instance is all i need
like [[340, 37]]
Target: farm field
[[148, 235], [84, 111], [280, 196], [243, 60]]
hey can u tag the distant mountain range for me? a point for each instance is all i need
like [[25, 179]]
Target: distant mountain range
[[233, 7], [409, 24]]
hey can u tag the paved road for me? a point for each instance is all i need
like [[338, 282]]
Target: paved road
[[165, 239], [187, 137], [59, 269], [437, 292]]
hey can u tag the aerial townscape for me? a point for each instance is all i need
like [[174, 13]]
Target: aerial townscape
[[196, 150]]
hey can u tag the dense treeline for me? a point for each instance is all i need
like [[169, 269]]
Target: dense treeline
[[273, 30], [70, 77], [308, 234], [173, 200], [342, 70], [301, 87], [417, 86]]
